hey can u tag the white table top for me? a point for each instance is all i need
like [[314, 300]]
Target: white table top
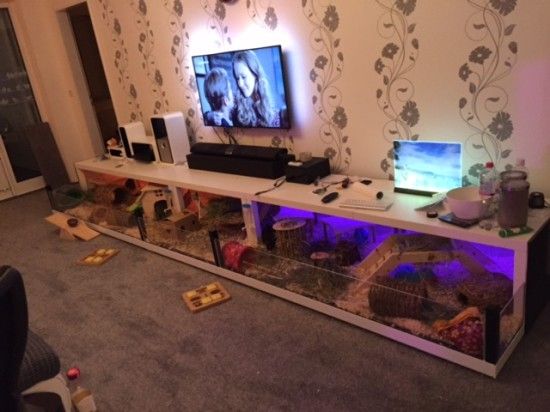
[[400, 215]]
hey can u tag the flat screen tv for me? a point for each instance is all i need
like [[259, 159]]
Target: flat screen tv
[[426, 167], [243, 88]]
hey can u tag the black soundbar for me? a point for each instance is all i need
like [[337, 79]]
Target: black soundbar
[[256, 161], [239, 151]]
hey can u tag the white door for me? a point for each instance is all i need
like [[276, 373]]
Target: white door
[[18, 110]]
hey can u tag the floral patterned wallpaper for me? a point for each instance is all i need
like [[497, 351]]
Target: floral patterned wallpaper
[[146, 47], [217, 12], [327, 70], [154, 40], [484, 107], [121, 60], [265, 16], [179, 52], [397, 58]]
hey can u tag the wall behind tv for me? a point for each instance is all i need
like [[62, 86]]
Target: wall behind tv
[[360, 73]]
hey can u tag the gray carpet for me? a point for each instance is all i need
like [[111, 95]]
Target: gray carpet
[[140, 349]]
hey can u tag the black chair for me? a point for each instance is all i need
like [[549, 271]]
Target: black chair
[[27, 363]]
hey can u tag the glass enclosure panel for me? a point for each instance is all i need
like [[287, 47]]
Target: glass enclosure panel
[[112, 202], [181, 233], [420, 304], [454, 293], [511, 319], [433, 287], [188, 232], [146, 211], [18, 107]]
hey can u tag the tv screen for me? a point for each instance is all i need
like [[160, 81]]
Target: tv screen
[[243, 88], [425, 168]]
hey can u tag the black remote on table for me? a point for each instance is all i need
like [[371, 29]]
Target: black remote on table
[[330, 197]]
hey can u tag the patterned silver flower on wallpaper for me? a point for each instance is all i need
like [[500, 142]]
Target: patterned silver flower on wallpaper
[[146, 47], [121, 60], [484, 109], [178, 51], [327, 69], [263, 14], [216, 15], [397, 58]]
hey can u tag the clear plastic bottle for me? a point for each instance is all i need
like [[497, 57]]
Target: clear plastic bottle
[[82, 398], [520, 166], [488, 180]]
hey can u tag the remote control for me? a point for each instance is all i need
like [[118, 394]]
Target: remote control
[[330, 197]]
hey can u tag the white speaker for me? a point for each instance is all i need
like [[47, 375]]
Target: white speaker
[[171, 137], [127, 133]]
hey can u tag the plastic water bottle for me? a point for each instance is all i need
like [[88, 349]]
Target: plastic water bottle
[[488, 180], [520, 166], [82, 398]]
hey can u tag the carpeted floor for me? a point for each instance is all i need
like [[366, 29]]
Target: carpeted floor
[[125, 325]]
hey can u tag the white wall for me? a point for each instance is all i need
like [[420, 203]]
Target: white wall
[[511, 78]]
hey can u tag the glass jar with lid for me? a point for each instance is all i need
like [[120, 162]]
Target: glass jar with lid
[[514, 199]]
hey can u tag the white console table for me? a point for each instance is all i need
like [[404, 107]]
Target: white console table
[[400, 216]]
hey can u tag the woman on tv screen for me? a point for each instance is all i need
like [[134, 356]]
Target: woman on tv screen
[[254, 102]]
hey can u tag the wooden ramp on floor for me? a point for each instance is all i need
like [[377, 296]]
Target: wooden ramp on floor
[[80, 231]]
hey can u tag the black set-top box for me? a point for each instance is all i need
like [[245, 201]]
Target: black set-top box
[[256, 161], [306, 172]]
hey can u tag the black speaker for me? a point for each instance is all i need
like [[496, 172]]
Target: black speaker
[[240, 151], [307, 172], [256, 161], [143, 152]]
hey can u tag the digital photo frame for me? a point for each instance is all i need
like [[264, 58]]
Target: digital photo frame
[[427, 167]]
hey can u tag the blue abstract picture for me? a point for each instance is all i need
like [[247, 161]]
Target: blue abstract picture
[[423, 167]]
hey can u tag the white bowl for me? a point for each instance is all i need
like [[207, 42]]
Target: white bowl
[[466, 202]]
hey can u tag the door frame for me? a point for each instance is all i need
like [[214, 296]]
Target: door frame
[[82, 91]]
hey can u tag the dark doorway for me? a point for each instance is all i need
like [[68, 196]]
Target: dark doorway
[[100, 97]]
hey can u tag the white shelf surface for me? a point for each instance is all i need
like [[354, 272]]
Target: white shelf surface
[[400, 215]]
